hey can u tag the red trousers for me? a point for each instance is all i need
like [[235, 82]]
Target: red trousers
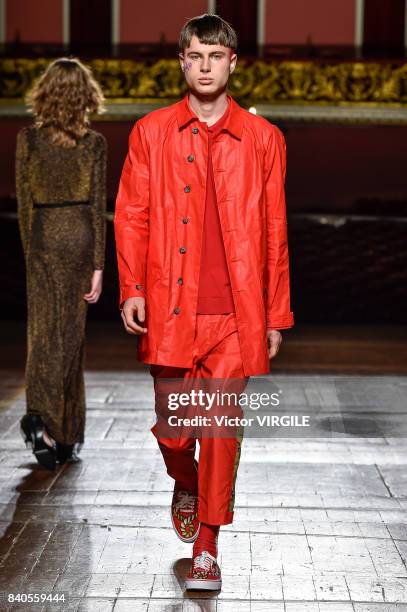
[[216, 355]]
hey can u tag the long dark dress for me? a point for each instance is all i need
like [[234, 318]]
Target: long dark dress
[[64, 242]]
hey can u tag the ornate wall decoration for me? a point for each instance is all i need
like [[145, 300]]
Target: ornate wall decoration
[[362, 85]]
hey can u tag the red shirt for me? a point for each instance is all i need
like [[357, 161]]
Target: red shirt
[[215, 292]]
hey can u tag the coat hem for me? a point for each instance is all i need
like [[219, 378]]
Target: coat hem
[[156, 359]]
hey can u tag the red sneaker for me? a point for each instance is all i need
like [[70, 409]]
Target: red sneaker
[[205, 573], [184, 515]]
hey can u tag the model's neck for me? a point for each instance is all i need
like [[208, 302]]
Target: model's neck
[[207, 108]]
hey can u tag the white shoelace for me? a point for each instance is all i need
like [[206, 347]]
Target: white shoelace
[[186, 502], [204, 560]]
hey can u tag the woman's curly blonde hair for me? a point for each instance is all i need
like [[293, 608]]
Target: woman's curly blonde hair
[[63, 98]]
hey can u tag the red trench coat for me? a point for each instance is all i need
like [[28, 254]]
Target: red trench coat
[[159, 219]]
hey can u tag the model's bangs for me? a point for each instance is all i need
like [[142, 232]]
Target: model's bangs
[[213, 38]]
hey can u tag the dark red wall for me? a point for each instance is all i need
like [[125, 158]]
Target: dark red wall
[[286, 21], [325, 22], [328, 167], [334, 166], [33, 21], [156, 18]]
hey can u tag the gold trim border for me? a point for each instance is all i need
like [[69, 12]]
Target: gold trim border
[[255, 82], [299, 90]]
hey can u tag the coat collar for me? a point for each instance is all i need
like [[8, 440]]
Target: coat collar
[[233, 124]]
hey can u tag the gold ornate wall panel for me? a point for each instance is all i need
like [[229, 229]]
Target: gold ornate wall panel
[[363, 85]]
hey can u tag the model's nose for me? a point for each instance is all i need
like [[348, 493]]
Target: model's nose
[[205, 66]]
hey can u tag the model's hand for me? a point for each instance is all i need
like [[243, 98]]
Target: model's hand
[[274, 339], [96, 287], [134, 307]]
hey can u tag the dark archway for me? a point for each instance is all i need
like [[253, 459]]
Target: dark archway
[[90, 26]]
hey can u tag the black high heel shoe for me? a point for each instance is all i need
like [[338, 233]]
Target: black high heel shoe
[[64, 452], [68, 452], [32, 429]]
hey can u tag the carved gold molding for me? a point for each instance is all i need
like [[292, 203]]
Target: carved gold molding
[[284, 82], [347, 92]]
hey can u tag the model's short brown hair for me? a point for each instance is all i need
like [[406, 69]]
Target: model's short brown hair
[[210, 30]]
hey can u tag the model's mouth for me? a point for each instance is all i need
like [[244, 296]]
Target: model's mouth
[[205, 81]]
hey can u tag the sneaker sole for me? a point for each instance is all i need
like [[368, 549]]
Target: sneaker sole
[[203, 585], [185, 540]]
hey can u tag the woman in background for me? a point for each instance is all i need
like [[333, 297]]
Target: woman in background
[[60, 186]]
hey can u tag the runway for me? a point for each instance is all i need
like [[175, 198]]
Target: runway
[[320, 524]]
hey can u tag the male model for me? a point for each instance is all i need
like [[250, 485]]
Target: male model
[[202, 252]]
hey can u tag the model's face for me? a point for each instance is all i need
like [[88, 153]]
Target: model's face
[[207, 67]]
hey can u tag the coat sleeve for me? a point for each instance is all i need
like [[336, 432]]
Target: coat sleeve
[[279, 314], [23, 191], [98, 203], [131, 219]]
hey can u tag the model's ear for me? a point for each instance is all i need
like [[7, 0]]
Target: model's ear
[[233, 60], [181, 61]]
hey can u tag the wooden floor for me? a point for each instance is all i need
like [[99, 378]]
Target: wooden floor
[[320, 522]]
